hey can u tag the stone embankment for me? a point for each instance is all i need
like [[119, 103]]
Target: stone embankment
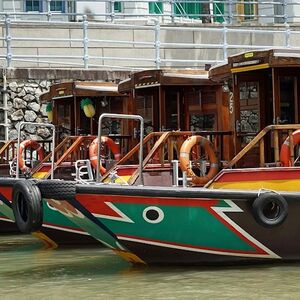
[[24, 105]]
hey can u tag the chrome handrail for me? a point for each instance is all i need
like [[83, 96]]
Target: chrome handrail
[[121, 116]]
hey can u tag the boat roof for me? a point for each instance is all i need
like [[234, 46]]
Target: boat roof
[[255, 60], [80, 89], [164, 77]]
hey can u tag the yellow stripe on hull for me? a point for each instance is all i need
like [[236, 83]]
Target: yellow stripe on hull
[[291, 185]]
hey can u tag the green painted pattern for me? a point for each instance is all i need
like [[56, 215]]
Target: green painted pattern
[[6, 211], [79, 221], [54, 217], [183, 225]]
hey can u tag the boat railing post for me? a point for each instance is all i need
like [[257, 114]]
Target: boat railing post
[[21, 125], [175, 172], [121, 116], [184, 179]]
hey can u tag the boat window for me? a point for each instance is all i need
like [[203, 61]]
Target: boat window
[[172, 111], [144, 108], [249, 110], [249, 105], [64, 118], [287, 100], [202, 109]]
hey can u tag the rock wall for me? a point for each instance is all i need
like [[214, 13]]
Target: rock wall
[[24, 87], [24, 105]]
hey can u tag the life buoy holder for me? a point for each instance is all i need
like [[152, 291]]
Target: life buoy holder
[[184, 159], [285, 156], [34, 145], [93, 152], [270, 209]]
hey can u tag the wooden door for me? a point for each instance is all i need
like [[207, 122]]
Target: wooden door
[[64, 117]]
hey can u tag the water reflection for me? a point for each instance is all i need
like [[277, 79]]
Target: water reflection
[[30, 272]]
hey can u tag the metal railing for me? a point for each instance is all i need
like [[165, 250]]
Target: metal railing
[[152, 45]]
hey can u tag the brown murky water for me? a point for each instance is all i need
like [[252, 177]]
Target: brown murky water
[[27, 271]]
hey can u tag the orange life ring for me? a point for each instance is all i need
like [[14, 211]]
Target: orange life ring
[[34, 145], [93, 151], [285, 157], [184, 159]]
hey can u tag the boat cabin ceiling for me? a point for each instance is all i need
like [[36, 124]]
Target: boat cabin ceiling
[[68, 114], [264, 89], [177, 99]]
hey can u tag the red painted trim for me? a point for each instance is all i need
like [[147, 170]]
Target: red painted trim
[[6, 191], [94, 203]]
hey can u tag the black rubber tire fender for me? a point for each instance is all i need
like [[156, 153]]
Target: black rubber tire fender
[[270, 198], [57, 189], [27, 206]]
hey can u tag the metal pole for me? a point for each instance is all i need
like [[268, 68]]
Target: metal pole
[[8, 41], [4, 95], [112, 10], [121, 116], [48, 10], [285, 14], [230, 11], [157, 43], [225, 45], [85, 41], [287, 35], [172, 3]]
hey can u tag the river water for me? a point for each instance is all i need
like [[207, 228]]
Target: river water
[[27, 271]]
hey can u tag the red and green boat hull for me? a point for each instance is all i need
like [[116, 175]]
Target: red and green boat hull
[[156, 225], [57, 229]]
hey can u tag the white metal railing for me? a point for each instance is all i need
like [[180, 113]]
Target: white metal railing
[[156, 41]]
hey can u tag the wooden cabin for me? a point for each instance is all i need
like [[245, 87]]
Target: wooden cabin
[[75, 131], [69, 117], [264, 90], [178, 99]]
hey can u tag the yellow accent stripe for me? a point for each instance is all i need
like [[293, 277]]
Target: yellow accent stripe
[[39, 174], [250, 68], [278, 185], [119, 180], [130, 257], [50, 244]]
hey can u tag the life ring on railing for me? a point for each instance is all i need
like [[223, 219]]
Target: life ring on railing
[[34, 145], [93, 151], [285, 157], [184, 159]]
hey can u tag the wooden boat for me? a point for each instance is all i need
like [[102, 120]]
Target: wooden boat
[[247, 211], [76, 133], [74, 137], [242, 215]]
